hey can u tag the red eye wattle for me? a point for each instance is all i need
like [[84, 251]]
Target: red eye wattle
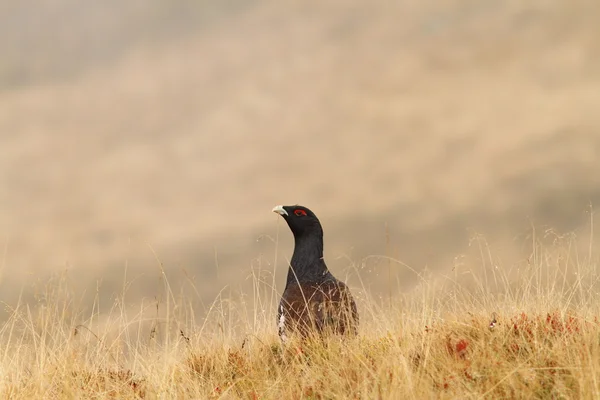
[[300, 213]]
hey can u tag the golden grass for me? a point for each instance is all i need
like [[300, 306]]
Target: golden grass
[[531, 331]]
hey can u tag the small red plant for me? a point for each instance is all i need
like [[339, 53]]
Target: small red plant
[[552, 324], [457, 349], [448, 381], [461, 346]]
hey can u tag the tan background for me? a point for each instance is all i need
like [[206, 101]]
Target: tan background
[[128, 127]]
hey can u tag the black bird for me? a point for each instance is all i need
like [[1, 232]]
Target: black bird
[[313, 299]]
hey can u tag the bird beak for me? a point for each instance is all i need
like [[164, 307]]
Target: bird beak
[[280, 210]]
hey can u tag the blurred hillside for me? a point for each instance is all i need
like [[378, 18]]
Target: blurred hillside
[[138, 127]]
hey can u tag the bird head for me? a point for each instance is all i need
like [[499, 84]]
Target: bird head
[[300, 219]]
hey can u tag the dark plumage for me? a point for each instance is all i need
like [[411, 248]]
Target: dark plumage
[[313, 299]]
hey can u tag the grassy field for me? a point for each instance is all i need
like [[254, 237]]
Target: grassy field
[[530, 330], [132, 131]]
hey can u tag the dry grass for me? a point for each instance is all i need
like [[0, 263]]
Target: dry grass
[[531, 331]]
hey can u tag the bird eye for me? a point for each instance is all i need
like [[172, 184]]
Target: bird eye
[[300, 213]]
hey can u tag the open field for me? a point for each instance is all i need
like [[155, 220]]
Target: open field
[[531, 331], [143, 145]]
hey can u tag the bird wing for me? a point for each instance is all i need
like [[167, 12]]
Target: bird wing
[[325, 306]]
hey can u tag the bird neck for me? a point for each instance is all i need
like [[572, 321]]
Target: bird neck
[[307, 262]]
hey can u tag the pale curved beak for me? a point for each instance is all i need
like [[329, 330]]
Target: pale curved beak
[[279, 210]]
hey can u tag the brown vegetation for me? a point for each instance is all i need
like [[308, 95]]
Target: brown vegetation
[[531, 337]]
